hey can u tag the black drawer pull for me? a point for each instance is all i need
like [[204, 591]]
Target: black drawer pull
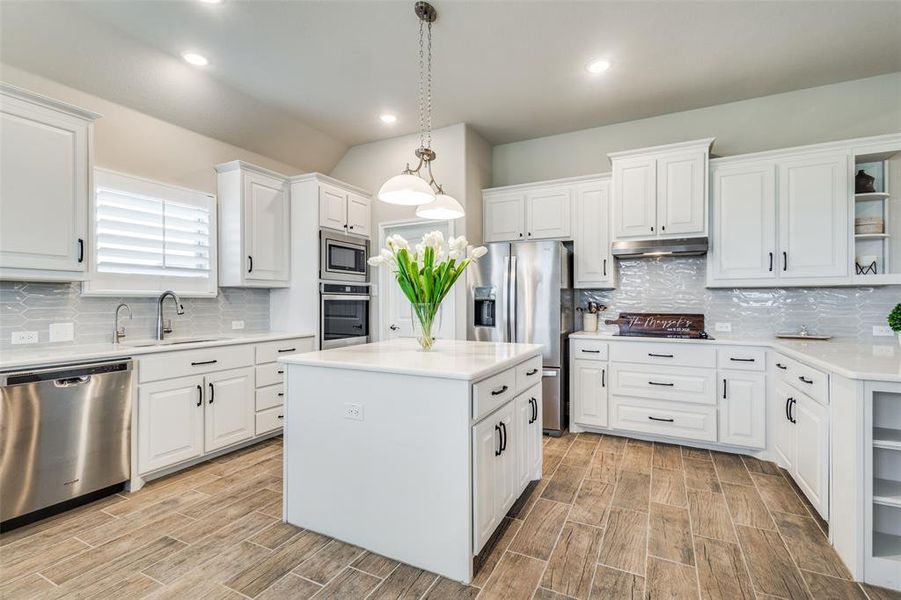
[[280, 417], [732, 358], [499, 392], [660, 355], [204, 362], [281, 372], [532, 372], [663, 384], [805, 380], [287, 349], [659, 419], [781, 366], [591, 351], [281, 394]]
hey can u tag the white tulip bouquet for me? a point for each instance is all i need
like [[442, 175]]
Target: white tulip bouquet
[[427, 273]]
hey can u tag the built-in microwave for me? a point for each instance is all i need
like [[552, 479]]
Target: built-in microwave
[[343, 257]]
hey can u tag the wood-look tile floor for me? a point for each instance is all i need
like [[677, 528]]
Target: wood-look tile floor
[[612, 518]]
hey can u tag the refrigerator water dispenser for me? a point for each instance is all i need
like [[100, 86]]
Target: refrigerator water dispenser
[[483, 313]]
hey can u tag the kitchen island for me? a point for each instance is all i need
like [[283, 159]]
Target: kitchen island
[[413, 455]]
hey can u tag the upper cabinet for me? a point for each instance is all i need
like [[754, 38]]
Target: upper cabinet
[[254, 226], [343, 210], [45, 184], [592, 261], [531, 212], [660, 192]]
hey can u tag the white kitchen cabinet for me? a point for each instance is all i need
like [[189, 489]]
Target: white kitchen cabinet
[[343, 210], [811, 464], [170, 422], [548, 213], [783, 432], [589, 388], [593, 263], [660, 192], [230, 408], [46, 164], [495, 476], [742, 408], [504, 216], [813, 216], [528, 448], [744, 221], [254, 226]]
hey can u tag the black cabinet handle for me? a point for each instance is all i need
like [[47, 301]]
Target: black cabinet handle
[[781, 366], [350, 226], [663, 384], [724, 388], [280, 417], [659, 419], [805, 380], [603, 378], [532, 372], [281, 372], [503, 436], [212, 393], [535, 409], [652, 229], [785, 261], [520, 235], [204, 362], [788, 402], [742, 359], [497, 430], [605, 267], [281, 394], [199, 395], [250, 264], [771, 262], [660, 355], [591, 351], [80, 250], [499, 392], [791, 413], [287, 350]]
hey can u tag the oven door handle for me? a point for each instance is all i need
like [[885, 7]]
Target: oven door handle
[[349, 297]]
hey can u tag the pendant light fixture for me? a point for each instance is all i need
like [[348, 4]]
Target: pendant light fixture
[[411, 187]]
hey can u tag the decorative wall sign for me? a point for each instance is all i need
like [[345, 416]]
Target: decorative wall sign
[[670, 325]]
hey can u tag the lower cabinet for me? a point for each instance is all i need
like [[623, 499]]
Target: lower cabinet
[[229, 413], [742, 414], [589, 385], [170, 422], [529, 430], [496, 474]]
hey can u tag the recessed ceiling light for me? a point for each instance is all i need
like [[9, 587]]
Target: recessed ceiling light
[[598, 66], [198, 60], [387, 118]]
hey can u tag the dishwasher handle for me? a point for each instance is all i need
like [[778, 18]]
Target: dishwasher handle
[[71, 381]]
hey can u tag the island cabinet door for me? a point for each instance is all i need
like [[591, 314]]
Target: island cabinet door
[[528, 429], [494, 472]]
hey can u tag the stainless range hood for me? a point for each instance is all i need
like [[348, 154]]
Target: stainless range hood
[[669, 247]]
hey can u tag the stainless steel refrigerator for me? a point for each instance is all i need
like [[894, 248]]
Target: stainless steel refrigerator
[[522, 292]]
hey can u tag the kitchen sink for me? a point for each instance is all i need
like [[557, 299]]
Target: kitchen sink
[[171, 342]]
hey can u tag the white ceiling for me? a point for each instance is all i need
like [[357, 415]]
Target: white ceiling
[[299, 81]]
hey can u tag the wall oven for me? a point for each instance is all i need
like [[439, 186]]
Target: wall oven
[[343, 257], [344, 315]]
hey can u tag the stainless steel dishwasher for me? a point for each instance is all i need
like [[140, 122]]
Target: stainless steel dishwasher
[[65, 433]]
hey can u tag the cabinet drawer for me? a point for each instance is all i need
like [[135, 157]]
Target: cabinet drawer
[[169, 365], [740, 358], [589, 349], [677, 419], [270, 374], [490, 393], [271, 351], [528, 374], [686, 384], [812, 382], [269, 420], [661, 353], [268, 397]]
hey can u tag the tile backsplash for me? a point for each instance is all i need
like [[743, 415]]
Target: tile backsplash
[[34, 306], [673, 284]]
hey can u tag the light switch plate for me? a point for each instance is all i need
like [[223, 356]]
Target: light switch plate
[[62, 332], [725, 327], [882, 331], [237, 324], [24, 337]]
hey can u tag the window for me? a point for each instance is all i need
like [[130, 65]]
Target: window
[[149, 237]]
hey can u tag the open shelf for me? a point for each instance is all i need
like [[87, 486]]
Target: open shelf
[[868, 196], [887, 438], [887, 545], [887, 492]]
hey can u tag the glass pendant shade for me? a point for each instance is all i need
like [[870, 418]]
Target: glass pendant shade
[[406, 189], [444, 207]]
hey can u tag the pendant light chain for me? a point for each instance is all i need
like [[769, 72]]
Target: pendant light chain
[[429, 90], [420, 92]]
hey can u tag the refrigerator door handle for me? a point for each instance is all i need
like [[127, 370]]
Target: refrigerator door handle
[[512, 300], [506, 305], [547, 373]]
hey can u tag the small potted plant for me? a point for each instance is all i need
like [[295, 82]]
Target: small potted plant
[[894, 321]]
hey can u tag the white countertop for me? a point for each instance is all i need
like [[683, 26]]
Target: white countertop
[[854, 360], [72, 353], [448, 359]]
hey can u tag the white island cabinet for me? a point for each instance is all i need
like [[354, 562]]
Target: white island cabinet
[[413, 455]]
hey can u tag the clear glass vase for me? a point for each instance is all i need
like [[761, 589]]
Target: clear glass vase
[[426, 323]]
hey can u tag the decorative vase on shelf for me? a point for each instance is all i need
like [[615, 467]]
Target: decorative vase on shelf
[[863, 183], [426, 323]]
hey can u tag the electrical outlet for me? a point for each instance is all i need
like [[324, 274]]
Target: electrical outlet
[[883, 350], [24, 337], [237, 324], [62, 332], [727, 327], [882, 331], [353, 411]]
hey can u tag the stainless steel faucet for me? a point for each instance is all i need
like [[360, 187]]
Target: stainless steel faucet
[[119, 333], [164, 327]]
